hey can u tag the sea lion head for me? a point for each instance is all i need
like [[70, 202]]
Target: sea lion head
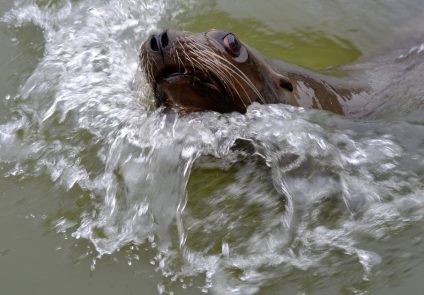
[[211, 71]]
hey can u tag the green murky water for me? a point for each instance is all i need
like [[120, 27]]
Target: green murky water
[[99, 197]]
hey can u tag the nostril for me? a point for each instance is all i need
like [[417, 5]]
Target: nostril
[[164, 39], [154, 43]]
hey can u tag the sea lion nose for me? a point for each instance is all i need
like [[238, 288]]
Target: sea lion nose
[[159, 42]]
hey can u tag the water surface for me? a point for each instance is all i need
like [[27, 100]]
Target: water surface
[[101, 196]]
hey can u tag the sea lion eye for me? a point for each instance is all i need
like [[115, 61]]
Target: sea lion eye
[[232, 45]]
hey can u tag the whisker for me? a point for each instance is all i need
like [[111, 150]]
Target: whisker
[[231, 67]]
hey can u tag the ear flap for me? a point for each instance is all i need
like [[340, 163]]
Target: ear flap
[[282, 82]]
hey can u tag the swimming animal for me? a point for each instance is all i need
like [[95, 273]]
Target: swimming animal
[[215, 71]]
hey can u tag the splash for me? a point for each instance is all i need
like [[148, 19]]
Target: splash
[[231, 204], [83, 91]]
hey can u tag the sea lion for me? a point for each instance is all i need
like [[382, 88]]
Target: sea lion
[[215, 71]]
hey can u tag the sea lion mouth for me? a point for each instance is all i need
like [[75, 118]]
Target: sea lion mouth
[[198, 76], [188, 87]]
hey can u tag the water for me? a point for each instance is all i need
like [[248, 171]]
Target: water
[[100, 195]]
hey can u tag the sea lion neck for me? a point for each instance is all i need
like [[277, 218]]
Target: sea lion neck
[[343, 94]]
